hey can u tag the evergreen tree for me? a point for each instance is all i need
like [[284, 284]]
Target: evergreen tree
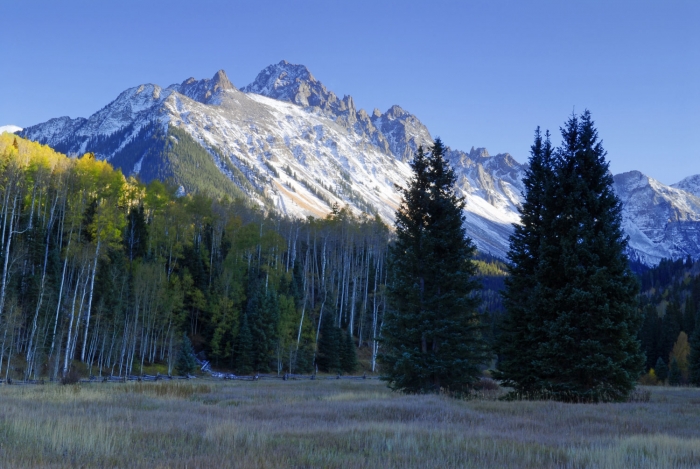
[[675, 377], [304, 358], [694, 358], [661, 369], [348, 357], [432, 333], [649, 334], [328, 357], [585, 323], [516, 364], [244, 352], [186, 362], [670, 327], [689, 315]]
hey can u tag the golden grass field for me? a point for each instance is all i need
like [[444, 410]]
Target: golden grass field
[[335, 424]]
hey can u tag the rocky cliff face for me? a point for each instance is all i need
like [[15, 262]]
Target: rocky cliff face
[[661, 221], [290, 143]]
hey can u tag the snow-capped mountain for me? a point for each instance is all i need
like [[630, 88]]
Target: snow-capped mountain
[[690, 184], [292, 145], [289, 143], [662, 221]]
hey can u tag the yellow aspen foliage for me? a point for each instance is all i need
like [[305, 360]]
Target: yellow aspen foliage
[[680, 351]]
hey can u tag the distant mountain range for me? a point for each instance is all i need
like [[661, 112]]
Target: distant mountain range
[[288, 143]]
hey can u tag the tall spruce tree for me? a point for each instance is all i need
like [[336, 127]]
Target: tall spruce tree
[[516, 366], [186, 362], [675, 376], [694, 357], [585, 323], [329, 345], [432, 333], [661, 369]]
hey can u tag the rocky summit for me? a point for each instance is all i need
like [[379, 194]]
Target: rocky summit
[[289, 144]]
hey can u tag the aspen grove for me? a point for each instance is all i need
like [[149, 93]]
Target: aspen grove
[[103, 270]]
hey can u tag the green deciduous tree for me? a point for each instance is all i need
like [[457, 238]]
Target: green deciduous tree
[[432, 335]]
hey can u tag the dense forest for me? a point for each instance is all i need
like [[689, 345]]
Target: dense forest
[[670, 301], [106, 273]]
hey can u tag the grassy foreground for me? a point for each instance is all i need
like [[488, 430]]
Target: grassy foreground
[[337, 424]]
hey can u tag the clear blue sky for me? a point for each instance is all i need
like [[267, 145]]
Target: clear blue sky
[[477, 73]]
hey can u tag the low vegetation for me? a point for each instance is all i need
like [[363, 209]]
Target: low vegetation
[[348, 424]]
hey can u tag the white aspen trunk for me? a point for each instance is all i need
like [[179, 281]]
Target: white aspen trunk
[[89, 310], [375, 312], [58, 305], [70, 324], [31, 346], [3, 290], [80, 314]]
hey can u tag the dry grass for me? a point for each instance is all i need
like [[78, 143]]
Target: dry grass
[[334, 424]]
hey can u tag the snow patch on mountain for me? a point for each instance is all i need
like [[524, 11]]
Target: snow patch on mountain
[[661, 221], [9, 129], [288, 141], [690, 184]]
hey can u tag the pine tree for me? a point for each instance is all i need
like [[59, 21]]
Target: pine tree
[[661, 369], [432, 334], [675, 377], [244, 349], [585, 323], [671, 326], [689, 315], [694, 358], [328, 357], [649, 334], [186, 362], [348, 357], [515, 346]]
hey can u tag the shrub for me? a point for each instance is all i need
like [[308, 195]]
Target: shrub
[[649, 379], [72, 377], [486, 384]]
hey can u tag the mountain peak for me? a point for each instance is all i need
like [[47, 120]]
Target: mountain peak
[[293, 83], [690, 184], [208, 90], [221, 81]]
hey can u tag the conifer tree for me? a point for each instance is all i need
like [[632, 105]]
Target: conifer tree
[[244, 349], [694, 357], [432, 333], [328, 356], [186, 362], [348, 358], [585, 323], [516, 362], [661, 369], [675, 376]]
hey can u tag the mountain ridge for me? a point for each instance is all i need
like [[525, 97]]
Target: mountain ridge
[[290, 144]]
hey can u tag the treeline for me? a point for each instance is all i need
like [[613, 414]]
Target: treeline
[[104, 270], [670, 303]]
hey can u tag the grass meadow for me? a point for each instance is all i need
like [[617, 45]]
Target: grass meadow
[[334, 424]]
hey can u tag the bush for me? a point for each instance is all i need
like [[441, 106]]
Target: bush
[[649, 379], [486, 384], [72, 377]]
